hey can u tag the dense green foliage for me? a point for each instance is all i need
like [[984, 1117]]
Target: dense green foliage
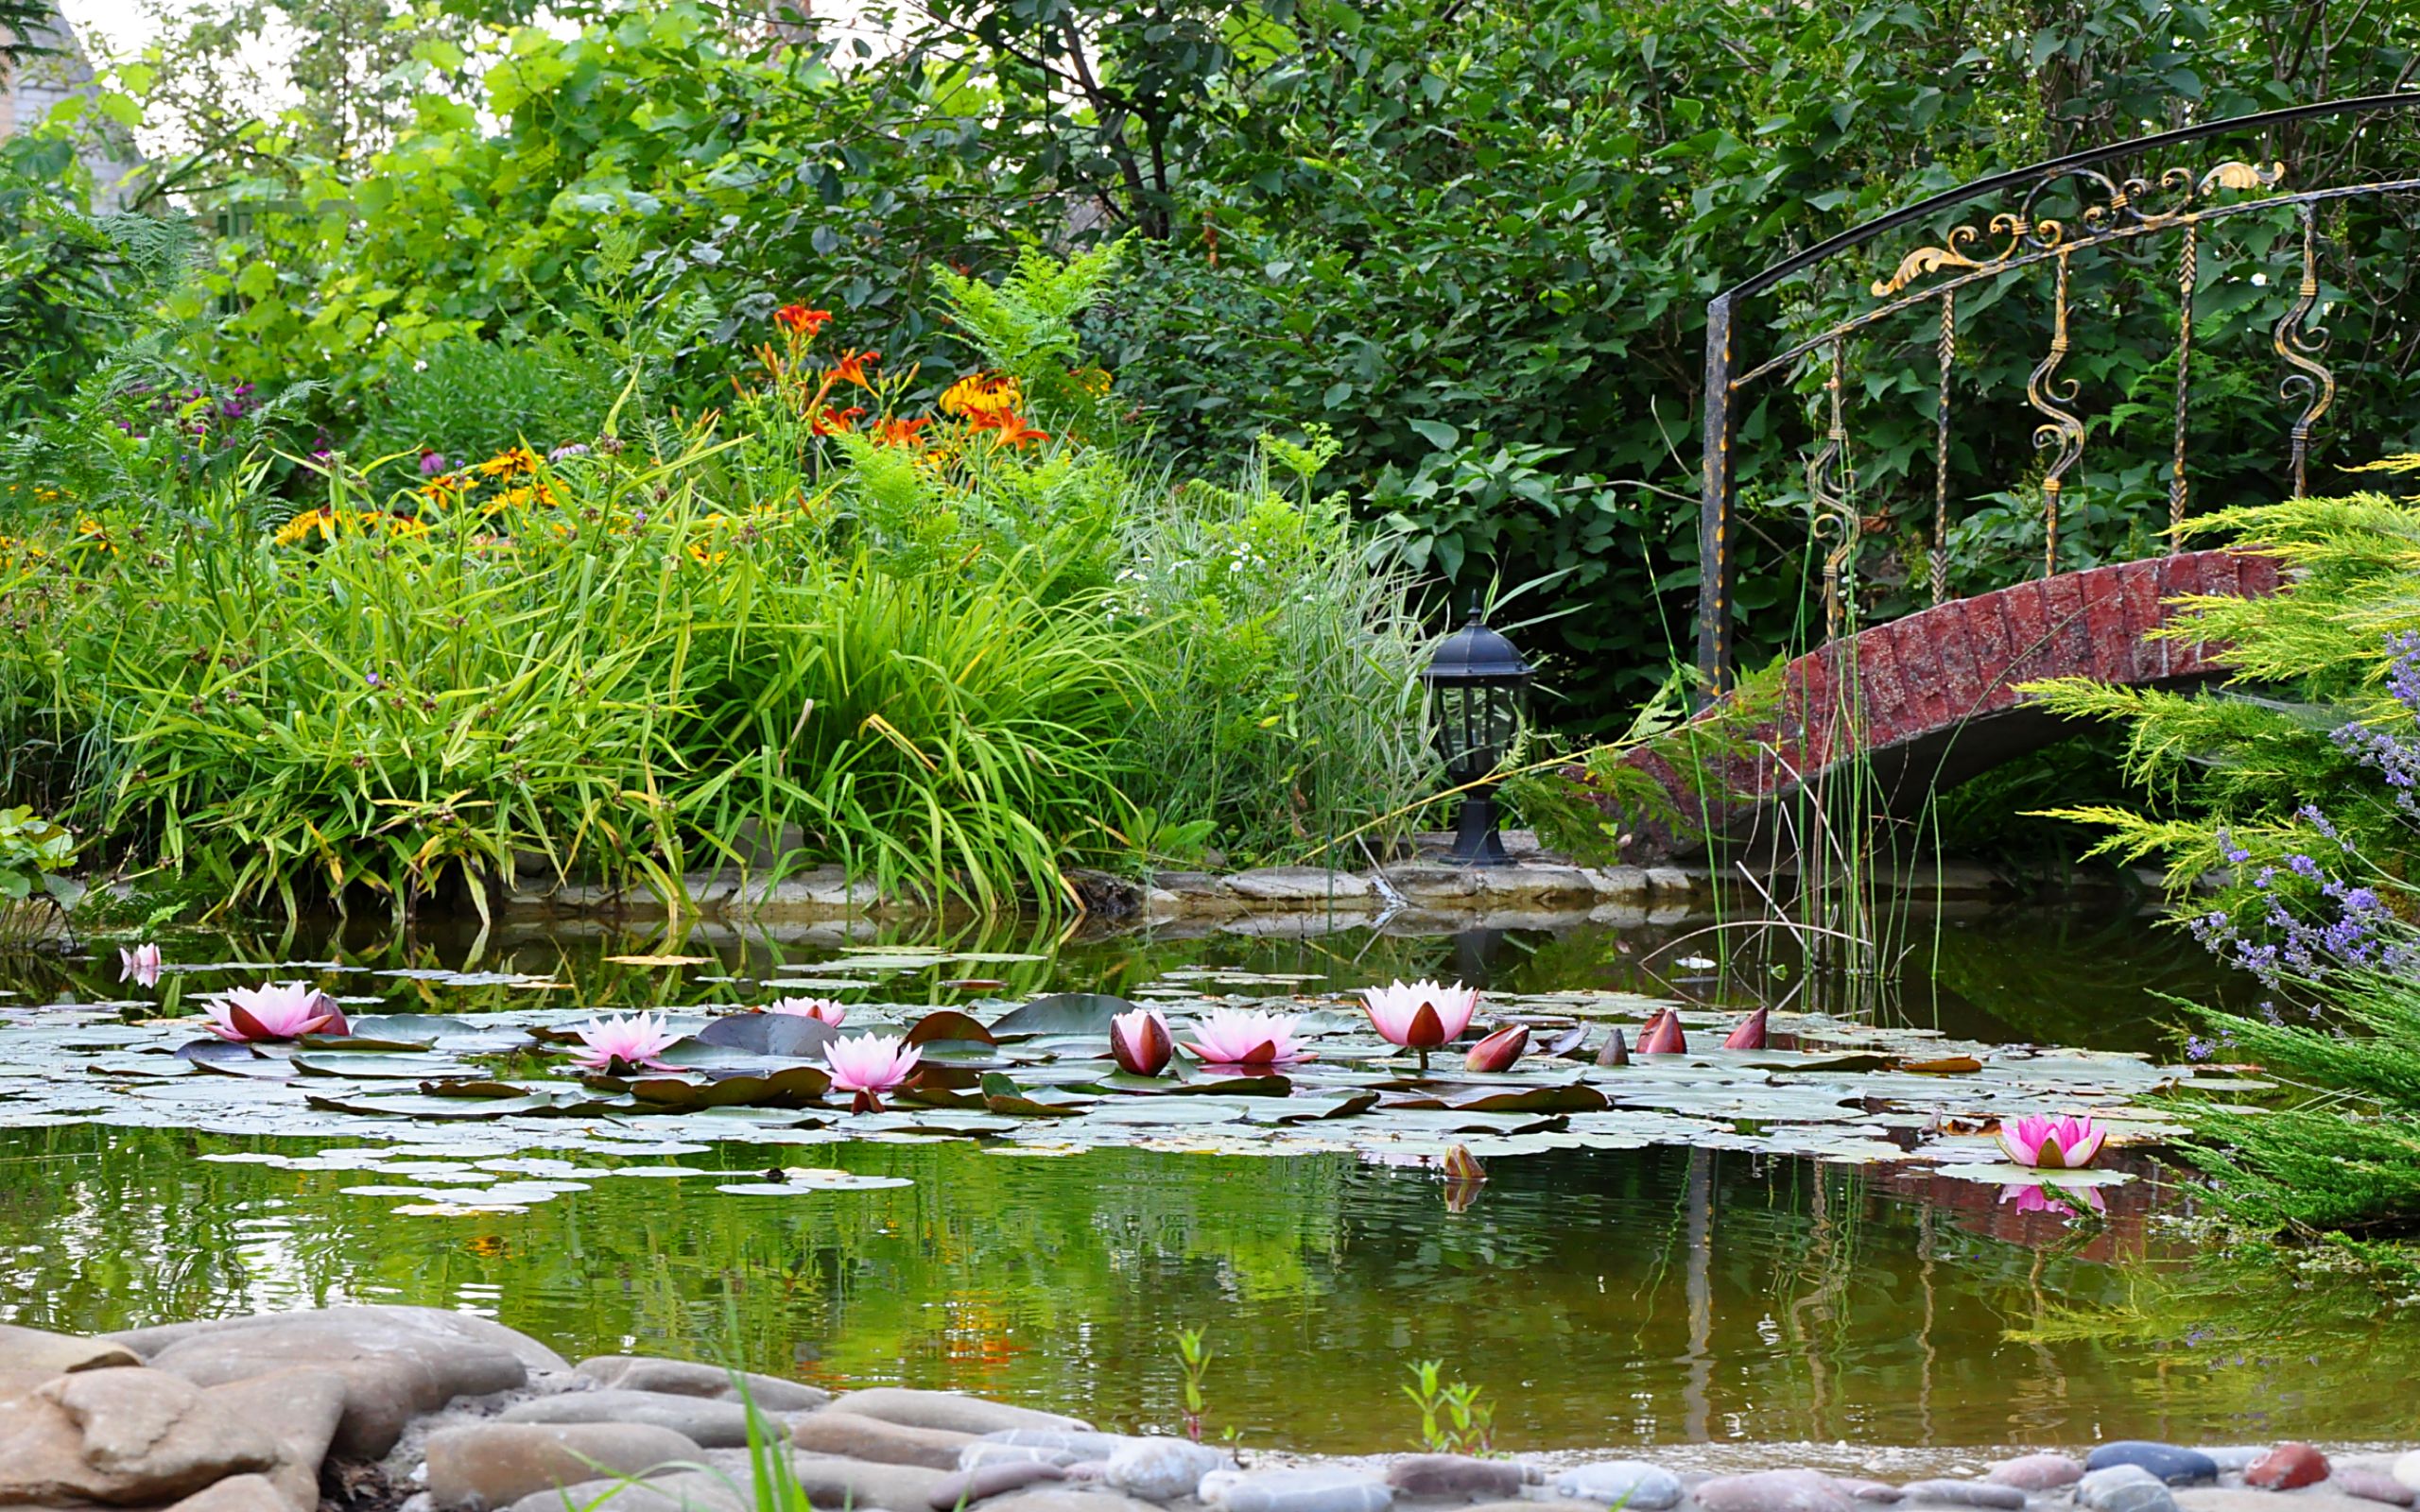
[[950, 650], [1474, 242]]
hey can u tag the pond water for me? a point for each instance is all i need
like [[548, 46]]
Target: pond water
[[1598, 1296]]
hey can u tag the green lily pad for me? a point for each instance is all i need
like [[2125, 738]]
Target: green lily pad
[[1083, 1013]]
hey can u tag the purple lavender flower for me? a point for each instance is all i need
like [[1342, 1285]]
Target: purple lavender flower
[[568, 449], [431, 464], [373, 680]]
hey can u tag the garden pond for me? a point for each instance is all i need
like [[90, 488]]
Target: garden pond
[[1815, 1241]]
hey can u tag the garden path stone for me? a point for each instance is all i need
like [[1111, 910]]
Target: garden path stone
[[949, 1411], [983, 1451], [2407, 1469], [1633, 1483], [686, 1492], [2287, 1466], [36, 1351], [1963, 1494], [300, 1411], [856, 1436], [1319, 1488], [712, 1424], [397, 1362], [686, 1378], [1054, 1499], [1297, 885], [2372, 1486], [2245, 1499], [2037, 1472], [2124, 1488], [2172, 1463], [1456, 1477], [830, 1481], [236, 1493], [1083, 1444], [1773, 1491], [989, 1481], [492, 1465], [1880, 1493], [125, 1437], [465, 1327], [1161, 1469]]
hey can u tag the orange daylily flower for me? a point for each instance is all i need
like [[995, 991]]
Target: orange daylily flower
[[850, 368], [800, 320], [833, 421], [897, 432]]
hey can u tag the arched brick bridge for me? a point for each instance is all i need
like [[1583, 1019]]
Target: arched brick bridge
[[1931, 700]]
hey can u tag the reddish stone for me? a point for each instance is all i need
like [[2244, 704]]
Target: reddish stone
[[2026, 607], [1915, 651], [1876, 700], [2069, 648], [1962, 680], [2138, 587], [2287, 1466], [2111, 655], [1988, 642]]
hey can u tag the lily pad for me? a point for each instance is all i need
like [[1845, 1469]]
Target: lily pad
[[1085, 1013]]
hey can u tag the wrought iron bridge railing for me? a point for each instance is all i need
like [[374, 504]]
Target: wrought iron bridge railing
[[2065, 208]]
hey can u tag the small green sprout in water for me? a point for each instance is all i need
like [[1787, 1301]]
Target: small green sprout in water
[[1454, 1417], [1195, 1356]]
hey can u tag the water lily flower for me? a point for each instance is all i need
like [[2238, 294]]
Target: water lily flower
[[630, 1039], [1499, 1049], [1139, 1041], [140, 965], [870, 1065], [1421, 1016], [1751, 1033], [823, 1011], [1662, 1036], [2058, 1145], [1226, 1037], [282, 1010]]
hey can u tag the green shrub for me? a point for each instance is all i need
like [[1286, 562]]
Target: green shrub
[[467, 399]]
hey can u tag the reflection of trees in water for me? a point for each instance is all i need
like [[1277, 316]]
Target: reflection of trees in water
[[1601, 1298]]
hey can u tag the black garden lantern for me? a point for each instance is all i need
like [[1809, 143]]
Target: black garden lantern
[[1476, 682]]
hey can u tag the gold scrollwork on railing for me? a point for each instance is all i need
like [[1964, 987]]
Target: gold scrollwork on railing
[[1831, 487], [2062, 432], [2299, 344], [2112, 205]]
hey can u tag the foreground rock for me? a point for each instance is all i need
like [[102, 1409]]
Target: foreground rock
[[490, 1465], [126, 1436], [396, 1362], [449, 1413]]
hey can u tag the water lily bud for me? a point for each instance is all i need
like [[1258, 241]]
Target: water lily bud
[[1616, 1051], [1139, 1042], [1498, 1050], [1751, 1033], [1663, 1036]]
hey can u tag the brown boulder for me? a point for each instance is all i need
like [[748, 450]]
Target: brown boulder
[[686, 1378], [396, 1361], [236, 1493], [854, 1436], [33, 1351], [125, 1436], [490, 1465]]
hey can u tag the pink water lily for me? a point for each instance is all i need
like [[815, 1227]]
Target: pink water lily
[[1662, 1034], [1421, 1016], [1227, 1037], [1498, 1050], [870, 1065], [1139, 1041], [632, 1040], [823, 1011], [140, 965], [2057, 1145], [282, 1010]]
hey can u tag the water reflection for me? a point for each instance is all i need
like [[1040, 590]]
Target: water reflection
[[1600, 1298]]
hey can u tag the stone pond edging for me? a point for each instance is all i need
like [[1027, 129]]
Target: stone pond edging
[[406, 1409]]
